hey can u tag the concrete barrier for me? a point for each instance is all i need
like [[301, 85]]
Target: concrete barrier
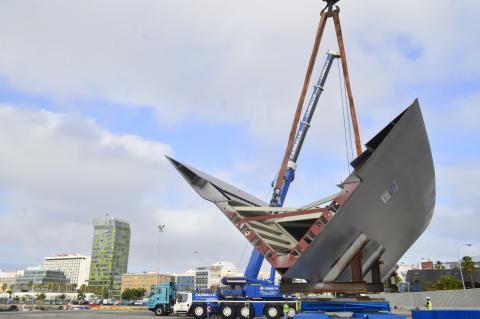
[[119, 308], [441, 299]]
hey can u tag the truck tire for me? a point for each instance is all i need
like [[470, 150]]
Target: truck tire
[[158, 311], [246, 311], [228, 311], [272, 311], [199, 311]]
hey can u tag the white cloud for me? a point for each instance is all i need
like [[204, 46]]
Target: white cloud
[[58, 172], [225, 61]]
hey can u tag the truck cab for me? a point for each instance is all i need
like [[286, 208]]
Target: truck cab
[[184, 301], [162, 298]]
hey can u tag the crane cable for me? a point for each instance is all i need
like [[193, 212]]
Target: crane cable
[[347, 130], [243, 253]]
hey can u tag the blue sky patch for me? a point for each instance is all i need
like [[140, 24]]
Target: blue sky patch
[[406, 46]]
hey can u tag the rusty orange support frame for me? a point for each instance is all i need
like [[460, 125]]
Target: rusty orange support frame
[[301, 100], [324, 15], [343, 58]]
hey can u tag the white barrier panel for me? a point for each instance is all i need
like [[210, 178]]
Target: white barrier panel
[[441, 299]]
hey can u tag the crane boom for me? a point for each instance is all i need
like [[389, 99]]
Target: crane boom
[[256, 259], [302, 129]]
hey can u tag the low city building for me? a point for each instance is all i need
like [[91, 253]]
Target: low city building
[[186, 281], [144, 280], [420, 279], [219, 270], [454, 264], [426, 264], [40, 276], [7, 278], [210, 277], [202, 278], [75, 267]]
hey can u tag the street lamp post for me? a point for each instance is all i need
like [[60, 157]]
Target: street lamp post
[[160, 231], [459, 263]]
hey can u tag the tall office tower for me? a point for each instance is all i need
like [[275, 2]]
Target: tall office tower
[[111, 242]]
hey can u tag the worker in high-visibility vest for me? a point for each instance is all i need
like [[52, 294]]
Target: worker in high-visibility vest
[[286, 309], [298, 306], [428, 304]]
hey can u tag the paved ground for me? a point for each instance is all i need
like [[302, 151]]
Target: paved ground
[[87, 314], [79, 314]]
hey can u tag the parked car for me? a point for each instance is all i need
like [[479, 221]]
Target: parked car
[[107, 302], [138, 303]]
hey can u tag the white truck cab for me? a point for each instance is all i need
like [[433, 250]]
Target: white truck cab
[[183, 303]]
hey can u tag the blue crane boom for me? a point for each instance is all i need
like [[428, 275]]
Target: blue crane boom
[[278, 197]]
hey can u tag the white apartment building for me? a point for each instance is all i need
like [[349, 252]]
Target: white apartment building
[[202, 278], [219, 270], [7, 278], [75, 267], [211, 276]]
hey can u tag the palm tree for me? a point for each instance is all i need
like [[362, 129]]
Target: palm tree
[[439, 265], [82, 289], [447, 282], [4, 287], [468, 266], [9, 292]]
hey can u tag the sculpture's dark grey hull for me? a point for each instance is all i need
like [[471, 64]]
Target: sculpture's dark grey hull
[[402, 158], [383, 215]]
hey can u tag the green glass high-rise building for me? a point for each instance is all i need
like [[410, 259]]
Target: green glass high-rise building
[[111, 242]]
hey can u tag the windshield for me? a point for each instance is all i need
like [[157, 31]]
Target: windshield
[[182, 298], [156, 291]]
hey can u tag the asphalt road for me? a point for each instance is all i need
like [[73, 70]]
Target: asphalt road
[[87, 314], [79, 314]]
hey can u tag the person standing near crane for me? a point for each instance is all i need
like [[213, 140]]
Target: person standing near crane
[[286, 310], [428, 304]]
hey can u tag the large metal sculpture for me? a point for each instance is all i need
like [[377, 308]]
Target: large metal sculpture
[[382, 207]]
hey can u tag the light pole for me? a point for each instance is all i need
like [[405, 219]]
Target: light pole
[[459, 264], [160, 231]]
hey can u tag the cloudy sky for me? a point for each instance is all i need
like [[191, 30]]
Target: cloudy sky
[[94, 93]]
